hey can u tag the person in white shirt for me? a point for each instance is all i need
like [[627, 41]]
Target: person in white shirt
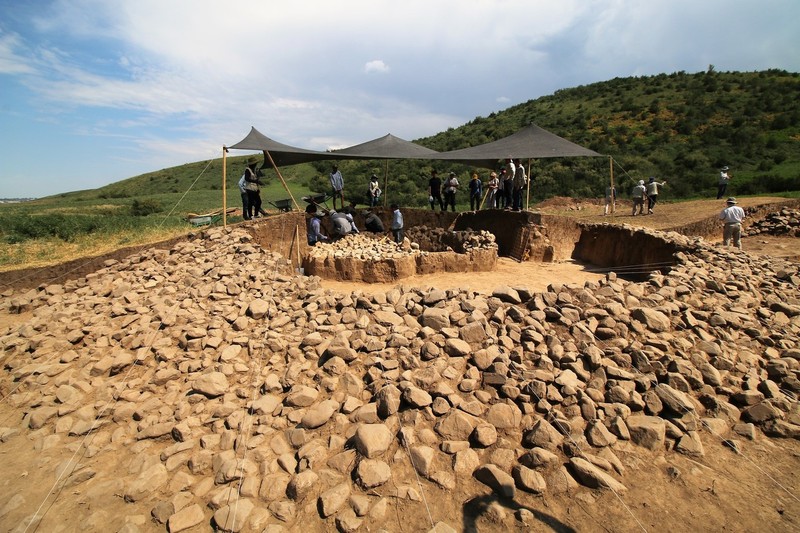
[[637, 195], [732, 217], [724, 178], [652, 193]]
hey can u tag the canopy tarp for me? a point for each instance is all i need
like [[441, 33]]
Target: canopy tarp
[[387, 147], [531, 142], [282, 154]]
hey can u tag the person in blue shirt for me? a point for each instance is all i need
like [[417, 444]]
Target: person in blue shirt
[[475, 192], [397, 223]]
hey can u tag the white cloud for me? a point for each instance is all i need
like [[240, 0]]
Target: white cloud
[[184, 77], [376, 66]]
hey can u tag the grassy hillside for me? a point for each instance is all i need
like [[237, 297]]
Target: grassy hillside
[[678, 127]]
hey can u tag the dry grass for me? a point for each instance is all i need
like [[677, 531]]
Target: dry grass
[[52, 251]]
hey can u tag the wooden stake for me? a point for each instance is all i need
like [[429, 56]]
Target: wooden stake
[[611, 173], [224, 187], [385, 182], [297, 246]]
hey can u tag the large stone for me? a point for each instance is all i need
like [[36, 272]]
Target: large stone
[[371, 473], [186, 518], [372, 440], [542, 435], [591, 476], [457, 348], [674, 399], [652, 319], [499, 481], [233, 517], [503, 416], [212, 384], [319, 414], [301, 396], [455, 426], [332, 499], [302, 485], [647, 431], [528, 479], [435, 318]]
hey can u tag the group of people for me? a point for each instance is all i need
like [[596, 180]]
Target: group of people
[[501, 191], [343, 223], [640, 195], [250, 188]]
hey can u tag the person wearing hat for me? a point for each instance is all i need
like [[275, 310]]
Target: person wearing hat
[[731, 218], [374, 191], [492, 187], [435, 190], [724, 178], [450, 188], [337, 187], [475, 192], [313, 226], [637, 195]]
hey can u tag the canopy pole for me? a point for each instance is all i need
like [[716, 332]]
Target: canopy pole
[[267, 155], [224, 187], [385, 182], [528, 194], [611, 177]]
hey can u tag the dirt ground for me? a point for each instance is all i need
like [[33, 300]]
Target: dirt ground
[[757, 490]]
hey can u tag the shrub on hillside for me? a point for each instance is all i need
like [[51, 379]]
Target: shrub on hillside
[[142, 208]]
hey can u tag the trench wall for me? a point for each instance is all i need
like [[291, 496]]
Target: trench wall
[[605, 245]]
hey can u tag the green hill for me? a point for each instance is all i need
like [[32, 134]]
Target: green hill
[[680, 127]]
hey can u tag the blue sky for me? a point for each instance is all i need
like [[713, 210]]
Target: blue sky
[[95, 91]]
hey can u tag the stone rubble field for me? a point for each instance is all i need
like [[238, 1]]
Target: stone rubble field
[[229, 393]]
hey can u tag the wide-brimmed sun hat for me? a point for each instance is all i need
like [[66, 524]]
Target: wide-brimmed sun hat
[[731, 201]]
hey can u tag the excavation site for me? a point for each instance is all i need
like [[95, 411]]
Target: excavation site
[[496, 371]]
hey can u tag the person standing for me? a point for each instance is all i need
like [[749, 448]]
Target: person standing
[[491, 196], [519, 185], [732, 217], [724, 178], [475, 192], [450, 188], [313, 232], [245, 199], [637, 195], [508, 188], [435, 190], [652, 193], [252, 183], [374, 191], [337, 186], [397, 224]]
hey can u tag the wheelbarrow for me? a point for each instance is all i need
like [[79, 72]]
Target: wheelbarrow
[[317, 199], [207, 219], [283, 205]]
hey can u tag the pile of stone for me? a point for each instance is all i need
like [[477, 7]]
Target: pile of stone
[[785, 222], [365, 247], [442, 240], [229, 392]]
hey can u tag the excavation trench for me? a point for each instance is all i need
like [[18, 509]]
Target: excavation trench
[[452, 242]]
